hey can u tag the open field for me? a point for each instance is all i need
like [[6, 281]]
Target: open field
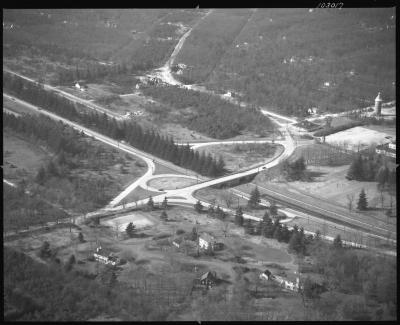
[[357, 137], [168, 183], [21, 157], [241, 156]]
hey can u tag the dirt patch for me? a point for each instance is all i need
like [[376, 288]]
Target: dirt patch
[[121, 222], [357, 138]]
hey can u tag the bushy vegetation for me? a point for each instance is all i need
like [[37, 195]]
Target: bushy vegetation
[[147, 140], [295, 170], [208, 114]]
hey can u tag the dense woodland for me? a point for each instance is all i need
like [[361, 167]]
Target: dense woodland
[[283, 57], [130, 131], [210, 115], [36, 291]]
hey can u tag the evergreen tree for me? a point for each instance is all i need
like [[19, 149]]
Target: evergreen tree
[[337, 242], [150, 204], [194, 234], [355, 171], [317, 236], [130, 229], [198, 207], [210, 211], [248, 229], [239, 217], [164, 203], [258, 228], [71, 261], [273, 209], [45, 250], [382, 176], [41, 175], [255, 199], [362, 203], [278, 233], [80, 238], [285, 233]]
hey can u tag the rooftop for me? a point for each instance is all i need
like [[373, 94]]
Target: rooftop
[[207, 237]]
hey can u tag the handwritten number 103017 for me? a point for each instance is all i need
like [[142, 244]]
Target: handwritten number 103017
[[335, 5]]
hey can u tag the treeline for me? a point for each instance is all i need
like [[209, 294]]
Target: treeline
[[95, 71], [331, 130], [160, 146], [146, 140], [274, 229], [54, 292], [212, 116]]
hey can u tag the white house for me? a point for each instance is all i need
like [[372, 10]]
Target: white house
[[207, 241], [107, 258], [312, 111]]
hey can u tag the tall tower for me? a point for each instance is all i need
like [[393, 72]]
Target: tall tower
[[378, 104]]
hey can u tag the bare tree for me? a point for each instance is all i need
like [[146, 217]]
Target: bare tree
[[228, 199], [225, 228], [350, 200], [382, 197]]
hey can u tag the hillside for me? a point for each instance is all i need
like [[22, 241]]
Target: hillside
[[293, 59]]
